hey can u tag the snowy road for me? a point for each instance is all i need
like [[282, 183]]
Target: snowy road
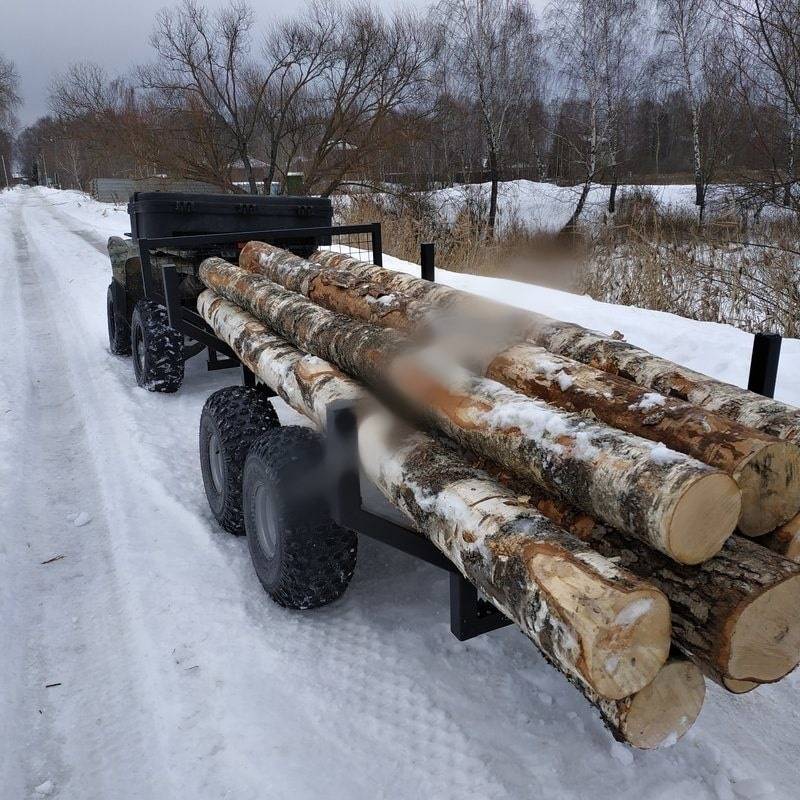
[[175, 675]]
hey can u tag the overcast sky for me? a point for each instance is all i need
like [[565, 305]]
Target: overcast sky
[[42, 37]]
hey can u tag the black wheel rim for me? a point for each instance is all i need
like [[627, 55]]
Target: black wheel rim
[[112, 323], [266, 521], [216, 463], [138, 350]]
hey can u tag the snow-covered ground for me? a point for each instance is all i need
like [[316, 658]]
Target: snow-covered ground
[[537, 206], [176, 677], [544, 207]]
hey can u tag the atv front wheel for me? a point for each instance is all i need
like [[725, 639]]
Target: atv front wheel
[[157, 349], [119, 339]]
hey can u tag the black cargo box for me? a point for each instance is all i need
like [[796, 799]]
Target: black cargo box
[[156, 215]]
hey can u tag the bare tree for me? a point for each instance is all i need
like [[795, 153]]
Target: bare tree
[[595, 44], [9, 100], [376, 68], [685, 27], [297, 52], [491, 50], [9, 87], [203, 60], [766, 41]]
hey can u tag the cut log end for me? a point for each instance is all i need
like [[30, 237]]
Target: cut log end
[[665, 709], [739, 687], [627, 652], [765, 640], [704, 516], [770, 484]]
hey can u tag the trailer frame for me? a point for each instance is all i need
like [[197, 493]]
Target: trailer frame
[[470, 615]]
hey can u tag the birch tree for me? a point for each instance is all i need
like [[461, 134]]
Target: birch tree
[[684, 27], [491, 50], [595, 44]]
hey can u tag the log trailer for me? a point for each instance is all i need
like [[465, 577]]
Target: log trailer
[[302, 497], [299, 497]]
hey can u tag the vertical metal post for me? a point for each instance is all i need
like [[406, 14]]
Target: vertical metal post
[[764, 363], [171, 295], [377, 244], [248, 378], [427, 261]]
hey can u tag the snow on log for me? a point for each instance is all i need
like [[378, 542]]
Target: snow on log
[[674, 503], [605, 629], [785, 540], [604, 352], [737, 616], [766, 469]]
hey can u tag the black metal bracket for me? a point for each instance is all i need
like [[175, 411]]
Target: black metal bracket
[[764, 363], [427, 261], [470, 615]]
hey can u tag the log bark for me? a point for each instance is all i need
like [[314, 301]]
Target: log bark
[[785, 540], [674, 503], [607, 631], [737, 616], [608, 354], [766, 469], [307, 383], [567, 599]]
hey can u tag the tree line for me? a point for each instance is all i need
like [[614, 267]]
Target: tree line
[[344, 95]]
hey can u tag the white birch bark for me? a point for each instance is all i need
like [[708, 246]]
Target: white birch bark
[[676, 504]]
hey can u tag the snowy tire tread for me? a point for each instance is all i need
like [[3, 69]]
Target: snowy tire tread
[[315, 557], [237, 416]]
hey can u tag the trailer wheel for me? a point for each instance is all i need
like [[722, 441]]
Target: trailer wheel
[[301, 556], [157, 349], [232, 419], [119, 339]]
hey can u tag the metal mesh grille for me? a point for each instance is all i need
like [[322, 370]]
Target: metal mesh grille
[[355, 245]]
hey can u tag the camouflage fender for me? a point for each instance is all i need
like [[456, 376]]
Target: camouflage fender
[[126, 269]]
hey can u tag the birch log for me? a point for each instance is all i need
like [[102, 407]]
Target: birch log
[[307, 383], [606, 353], [737, 616], [766, 469], [449, 500], [674, 503], [661, 713], [785, 540], [603, 628]]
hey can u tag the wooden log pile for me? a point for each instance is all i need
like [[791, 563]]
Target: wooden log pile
[[597, 497]]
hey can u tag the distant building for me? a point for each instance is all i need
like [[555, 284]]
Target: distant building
[[239, 173]]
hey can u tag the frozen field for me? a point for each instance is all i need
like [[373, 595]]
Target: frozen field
[[176, 677]]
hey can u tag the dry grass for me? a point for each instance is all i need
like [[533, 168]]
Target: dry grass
[[727, 270], [464, 246]]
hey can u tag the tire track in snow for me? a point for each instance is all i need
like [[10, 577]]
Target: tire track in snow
[[79, 734]]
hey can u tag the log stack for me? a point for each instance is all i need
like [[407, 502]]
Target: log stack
[[594, 504]]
